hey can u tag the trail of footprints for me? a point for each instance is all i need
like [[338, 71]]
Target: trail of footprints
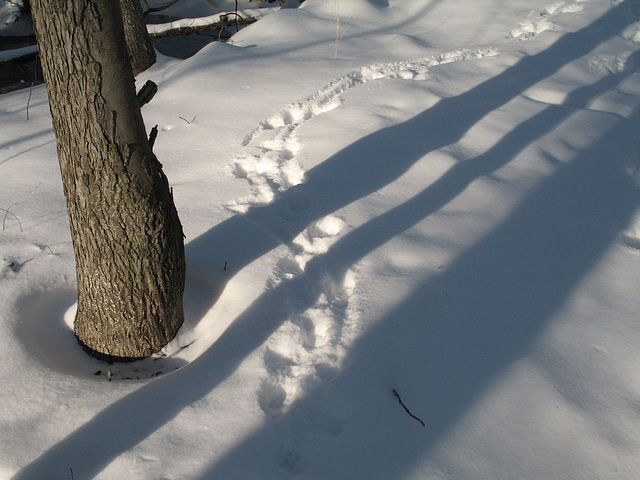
[[269, 164], [307, 350], [309, 346], [541, 21]]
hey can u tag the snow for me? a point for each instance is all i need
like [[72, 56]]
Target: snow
[[440, 198], [208, 20], [6, 55]]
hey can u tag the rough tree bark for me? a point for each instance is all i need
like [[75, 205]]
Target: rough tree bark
[[141, 52], [127, 237]]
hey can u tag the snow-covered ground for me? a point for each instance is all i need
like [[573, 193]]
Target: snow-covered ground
[[435, 197]]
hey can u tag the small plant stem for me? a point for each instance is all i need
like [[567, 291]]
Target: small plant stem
[[338, 30], [4, 220]]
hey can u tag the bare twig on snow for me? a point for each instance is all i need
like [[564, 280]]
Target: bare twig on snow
[[395, 392], [7, 212]]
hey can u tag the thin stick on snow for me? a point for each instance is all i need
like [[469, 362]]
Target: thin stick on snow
[[395, 392], [35, 80], [7, 212], [14, 216], [29, 99], [237, 16], [338, 30]]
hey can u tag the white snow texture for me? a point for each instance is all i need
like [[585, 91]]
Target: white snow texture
[[434, 198]]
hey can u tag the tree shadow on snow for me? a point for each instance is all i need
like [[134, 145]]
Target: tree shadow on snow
[[498, 292], [480, 314]]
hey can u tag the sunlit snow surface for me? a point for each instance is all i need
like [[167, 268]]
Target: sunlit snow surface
[[437, 197]]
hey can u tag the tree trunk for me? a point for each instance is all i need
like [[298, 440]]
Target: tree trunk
[[141, 52], [127, 237]]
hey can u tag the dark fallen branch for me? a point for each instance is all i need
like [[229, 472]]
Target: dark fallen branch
[[152, 136], [223, 23], [406, 409], [147, 92]]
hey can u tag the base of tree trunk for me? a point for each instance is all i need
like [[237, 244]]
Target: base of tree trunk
[[127, 237], [110, 359]]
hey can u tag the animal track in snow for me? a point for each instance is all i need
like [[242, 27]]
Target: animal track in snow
[[328, 97], [632, 33], [269, 164], [308, 348], [540, 21]]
